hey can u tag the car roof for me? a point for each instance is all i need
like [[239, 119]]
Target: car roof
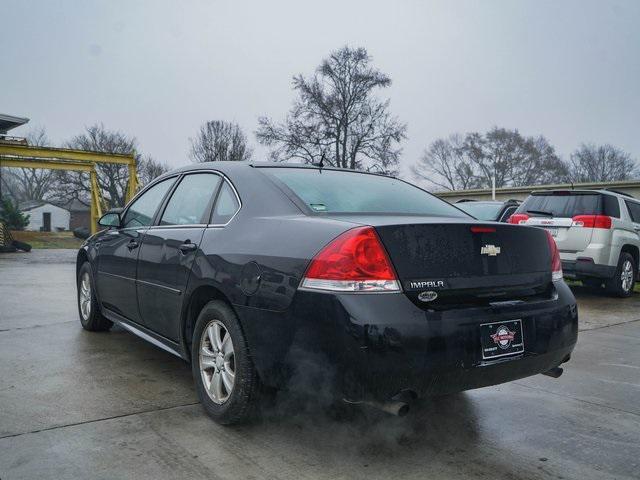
[[602, 191], [488, 202], [229, 166]]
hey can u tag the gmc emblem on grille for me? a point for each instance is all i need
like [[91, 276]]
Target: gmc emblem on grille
[[420, 284], [490, 250]]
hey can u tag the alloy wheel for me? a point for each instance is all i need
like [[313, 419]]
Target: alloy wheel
[[627, 276], [217, 361], [85, 296]]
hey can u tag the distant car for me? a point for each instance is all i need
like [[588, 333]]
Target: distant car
[[489, 210], [260, 273], [597, 232]]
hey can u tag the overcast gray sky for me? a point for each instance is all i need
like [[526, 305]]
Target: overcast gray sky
[[569, 70]]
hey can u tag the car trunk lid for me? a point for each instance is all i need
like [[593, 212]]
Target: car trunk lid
[[464, 262]]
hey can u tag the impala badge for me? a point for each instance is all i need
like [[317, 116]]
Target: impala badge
[[490, 250]]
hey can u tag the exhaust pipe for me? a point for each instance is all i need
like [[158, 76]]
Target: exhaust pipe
[[394, 407], [554, 372]]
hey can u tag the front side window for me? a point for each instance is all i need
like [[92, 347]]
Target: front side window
[[226, 205], [142, 211], [190, 202], [334, 191]]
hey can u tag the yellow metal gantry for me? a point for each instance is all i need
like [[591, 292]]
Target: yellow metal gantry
[[23, 156]]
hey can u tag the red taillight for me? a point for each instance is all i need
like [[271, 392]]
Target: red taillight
[[556, 264], [591, 221], [518, 218], [355, 261]]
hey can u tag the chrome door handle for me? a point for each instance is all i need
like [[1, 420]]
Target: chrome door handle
[[132, 245], [187, 247]]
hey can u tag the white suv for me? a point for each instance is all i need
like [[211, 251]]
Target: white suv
[[597, 232]]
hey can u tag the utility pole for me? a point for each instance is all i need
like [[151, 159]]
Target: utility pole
[[493, 186]]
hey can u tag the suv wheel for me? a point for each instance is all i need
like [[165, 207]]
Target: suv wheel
[[225, 378], [623, 281], [90, 316]]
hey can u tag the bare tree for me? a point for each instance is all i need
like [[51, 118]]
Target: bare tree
[[112, 178], [514, 159], [604, 163], [30, 183], [148, 169], [445, 164], [472, 162], [337, 118], [218, 140]]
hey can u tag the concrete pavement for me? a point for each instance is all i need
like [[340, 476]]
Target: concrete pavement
[[75, 404]]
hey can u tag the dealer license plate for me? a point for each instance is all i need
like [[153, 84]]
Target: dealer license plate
[[499, 339]]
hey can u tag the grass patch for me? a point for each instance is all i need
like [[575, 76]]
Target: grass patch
[[47, 239]]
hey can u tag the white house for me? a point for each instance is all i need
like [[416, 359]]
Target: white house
[[45, 217]]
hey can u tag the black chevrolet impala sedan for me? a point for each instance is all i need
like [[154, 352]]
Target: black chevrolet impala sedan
[[264, 274]]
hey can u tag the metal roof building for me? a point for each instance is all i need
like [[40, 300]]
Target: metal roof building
[[7, 122]]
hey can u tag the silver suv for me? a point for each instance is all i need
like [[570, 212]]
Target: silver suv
[[597, 232]]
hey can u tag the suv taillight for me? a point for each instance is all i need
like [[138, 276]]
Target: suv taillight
[[518, 218], [356, 261], [591, 221], [556, 264]]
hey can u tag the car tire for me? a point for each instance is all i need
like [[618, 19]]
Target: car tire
[[90, 316], [219, 358], [623, 281]]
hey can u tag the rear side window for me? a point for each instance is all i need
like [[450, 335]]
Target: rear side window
[[564, 205], [226, 205], [333, 191], [190, 203], [142, 211], [634, 211], [611, 206]]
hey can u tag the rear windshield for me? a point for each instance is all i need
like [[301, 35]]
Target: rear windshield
[[482, 211], [335, 191], [565, 204]]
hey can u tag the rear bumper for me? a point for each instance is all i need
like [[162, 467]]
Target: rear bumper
[[585, 267], [378, 345]]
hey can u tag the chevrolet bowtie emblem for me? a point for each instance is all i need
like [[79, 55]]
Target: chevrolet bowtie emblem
[[490, 250]]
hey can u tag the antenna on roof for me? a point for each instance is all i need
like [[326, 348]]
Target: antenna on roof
[[320, 164]]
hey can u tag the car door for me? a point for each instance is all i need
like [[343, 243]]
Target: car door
[[118, 252], [169, 249]]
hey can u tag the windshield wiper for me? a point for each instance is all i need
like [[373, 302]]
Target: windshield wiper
[[540, 212]]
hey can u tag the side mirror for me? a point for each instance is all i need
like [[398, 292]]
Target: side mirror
[[110, 219]]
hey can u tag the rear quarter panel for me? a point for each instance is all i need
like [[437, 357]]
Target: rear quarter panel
[[257, 265], [622, 234], [280, 248]]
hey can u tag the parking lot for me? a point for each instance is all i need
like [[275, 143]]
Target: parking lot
[[75, 404]]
